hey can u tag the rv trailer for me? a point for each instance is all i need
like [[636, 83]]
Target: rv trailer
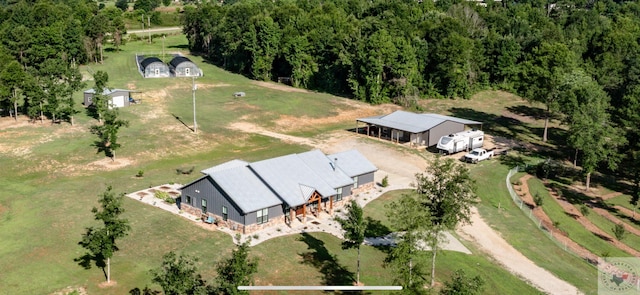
[[461, 141]]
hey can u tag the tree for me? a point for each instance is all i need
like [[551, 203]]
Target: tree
[[354, 227], [619, 231], [100, 102], [108, 133], [407, 215], [460, 284], [236, 271], [178, 275], [11, 79], [591, 130], [122, 5], [447, 192], [543, 74], [100, 242]]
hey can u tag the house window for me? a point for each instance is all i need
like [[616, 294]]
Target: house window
[[204, 205], [263, 216], [188, 200], [355, 182], [339, 194], [187, 71], [225, 213]]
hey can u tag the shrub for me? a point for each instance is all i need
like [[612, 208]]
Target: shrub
[[619, 231], [538, 199], [164, 196], [556, 224], [584, 210], [549, 169], [256, 236], [140, 173], [385, 181]]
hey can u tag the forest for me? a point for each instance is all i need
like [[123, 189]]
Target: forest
[[580, 59]]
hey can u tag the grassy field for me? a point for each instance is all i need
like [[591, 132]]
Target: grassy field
[[51, 178], [606, 225], [503, 215], [568, 224]]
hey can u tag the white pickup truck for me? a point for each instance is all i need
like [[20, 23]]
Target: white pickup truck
[[477, 155]]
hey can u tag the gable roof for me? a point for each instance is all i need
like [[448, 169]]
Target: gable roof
[[245, 189], [352, 163], [224, 166], [178, 60], [149, 60], [325, 169], [291, 178], [107, 91], [412, 122]]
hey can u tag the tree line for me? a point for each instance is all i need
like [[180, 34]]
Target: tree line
[[578, 58]]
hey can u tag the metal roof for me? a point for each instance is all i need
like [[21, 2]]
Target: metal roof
[[352, 163], [224, 166], [178, 60], [290, 177], [325, 168], [149, 60], [106, 91], [245, 188], [412, 122]]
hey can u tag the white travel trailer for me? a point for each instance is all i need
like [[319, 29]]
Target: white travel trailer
[[461, 141]]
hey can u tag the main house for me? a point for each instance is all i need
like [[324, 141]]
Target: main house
[[249, 196]]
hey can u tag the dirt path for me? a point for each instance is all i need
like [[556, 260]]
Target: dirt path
[[494, 245], [627, 212], [604, 213], [610, 195]]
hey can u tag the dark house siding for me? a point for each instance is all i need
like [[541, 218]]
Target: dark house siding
[[365, 178], [215, 199], [346, 191], [274, 213], [445, 128]]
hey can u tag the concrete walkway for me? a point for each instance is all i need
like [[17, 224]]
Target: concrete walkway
[[323, 223]]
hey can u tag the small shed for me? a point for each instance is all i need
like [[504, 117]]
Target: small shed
[[183, 67], [153, 67], [117, 97]]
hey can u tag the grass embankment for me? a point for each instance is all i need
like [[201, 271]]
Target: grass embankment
[[497, 279], [576, 231], [607, 226], [497, 208]]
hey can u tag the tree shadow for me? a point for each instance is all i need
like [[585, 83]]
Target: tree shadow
[[92, 112], [183, 123], [511, 160], [145, 291], [181, 46], [533, 112], [85, 262], [375, 228], [605, 238], [333, 274]]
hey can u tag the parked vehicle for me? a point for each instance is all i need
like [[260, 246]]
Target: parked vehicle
[[461, 141], [477, 155]]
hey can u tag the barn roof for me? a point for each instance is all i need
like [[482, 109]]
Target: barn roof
[[178, 60], [224, 166], [149, 60], [412, 122]]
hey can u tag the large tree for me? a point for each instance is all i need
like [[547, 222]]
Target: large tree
[[236, 271], [108, 133], [543, 74], [407, 216], [447, 192], [179, 275], [354, 227], [100, 241]]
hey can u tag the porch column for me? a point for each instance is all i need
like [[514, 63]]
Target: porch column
[[319, 206], [304, 214], [356, 126], [368, 132], [331, 205], [379, 131], [292, 215]]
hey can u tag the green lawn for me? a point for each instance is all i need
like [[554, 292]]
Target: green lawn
[[498, 280], [606, 225], [568, 224], [497, 208]]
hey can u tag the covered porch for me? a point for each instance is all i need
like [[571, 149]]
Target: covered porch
[[313, 207]]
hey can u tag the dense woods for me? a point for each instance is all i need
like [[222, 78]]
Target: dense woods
[[580, 59]]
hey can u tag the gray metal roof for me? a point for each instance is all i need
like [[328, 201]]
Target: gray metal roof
[[291, 178], [224, 166], [245, 188], [412, 122], [107, 91], [326, 170], [352, 163]]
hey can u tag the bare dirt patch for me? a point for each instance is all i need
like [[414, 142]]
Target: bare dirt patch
[[281, 87], [107, 284], [108, 164], [70, 290]]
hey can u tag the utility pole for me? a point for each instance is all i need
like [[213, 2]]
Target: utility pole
[[194, 87], [149, 27], [142, 20], [163, 47]]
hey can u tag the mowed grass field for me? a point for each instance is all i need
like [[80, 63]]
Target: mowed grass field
[[51, 177]]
